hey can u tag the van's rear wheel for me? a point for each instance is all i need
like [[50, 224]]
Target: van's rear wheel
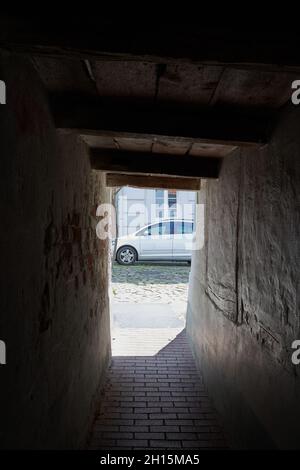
[[126, 255]]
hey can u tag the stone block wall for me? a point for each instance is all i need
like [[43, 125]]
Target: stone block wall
[[54, 312], [243, 310]]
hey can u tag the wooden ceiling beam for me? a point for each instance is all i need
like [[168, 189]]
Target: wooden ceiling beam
[[223, 126], [114, 180], [116, 161]]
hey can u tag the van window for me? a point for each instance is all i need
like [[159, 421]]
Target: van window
[[162, 228], [188, 227], [167, 228], [182, 227]]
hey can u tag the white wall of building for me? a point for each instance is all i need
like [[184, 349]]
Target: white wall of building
[[138, 207]]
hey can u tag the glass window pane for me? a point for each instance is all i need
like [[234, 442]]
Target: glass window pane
[[188, 227], [172, 201], [155, 229], [178, 228], [143, 232], [166, 228]]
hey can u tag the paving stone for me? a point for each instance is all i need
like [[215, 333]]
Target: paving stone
[[164, 444], [164, 428]]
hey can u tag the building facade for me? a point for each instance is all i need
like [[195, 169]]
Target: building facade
[[138, 207]]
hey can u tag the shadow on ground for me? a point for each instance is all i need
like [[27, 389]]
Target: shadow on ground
[[157, 402]]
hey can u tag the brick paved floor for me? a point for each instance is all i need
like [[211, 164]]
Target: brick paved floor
[[157, 402]]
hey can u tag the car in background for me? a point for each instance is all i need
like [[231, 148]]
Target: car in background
[[167, 240]]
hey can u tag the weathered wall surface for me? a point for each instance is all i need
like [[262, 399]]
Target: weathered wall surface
[[243, 311], [54, 313]]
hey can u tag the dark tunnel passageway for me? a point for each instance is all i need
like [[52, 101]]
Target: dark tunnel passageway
[[76, 124]]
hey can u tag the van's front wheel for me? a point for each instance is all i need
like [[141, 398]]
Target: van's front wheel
[[126, 255]]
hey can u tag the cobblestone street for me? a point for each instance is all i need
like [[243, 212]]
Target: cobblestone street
[[149, 283]]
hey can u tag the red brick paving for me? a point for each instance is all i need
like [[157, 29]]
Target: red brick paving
[[157, 402]]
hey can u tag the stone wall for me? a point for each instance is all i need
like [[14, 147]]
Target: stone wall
[[54, 313], [243, 310]]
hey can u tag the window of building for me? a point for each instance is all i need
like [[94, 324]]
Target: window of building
[[172, 201], [159, 200], [170, 209]]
